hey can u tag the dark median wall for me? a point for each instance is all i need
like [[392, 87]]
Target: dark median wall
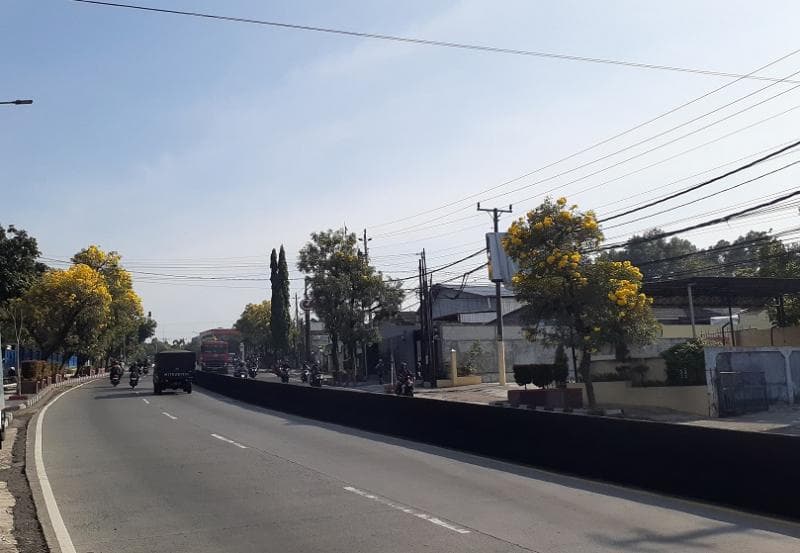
[[758, 472]]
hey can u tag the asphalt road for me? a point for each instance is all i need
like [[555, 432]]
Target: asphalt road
[[134, 472]]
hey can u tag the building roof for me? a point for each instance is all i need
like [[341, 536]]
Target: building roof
[[486, 290]]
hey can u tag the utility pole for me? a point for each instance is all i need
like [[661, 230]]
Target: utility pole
[[426, 322], [366, 240], [308, 321], [297, 324], [501, 349]]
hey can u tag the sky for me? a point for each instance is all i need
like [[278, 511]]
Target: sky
[[193, 147]]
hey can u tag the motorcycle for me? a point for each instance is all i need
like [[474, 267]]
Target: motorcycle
[[316, 379], [115, 378], [252, 372], [283, 373], [305, 374], [405, 386], [134, 378]]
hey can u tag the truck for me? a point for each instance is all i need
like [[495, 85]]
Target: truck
[[214, 356], [174, 369]]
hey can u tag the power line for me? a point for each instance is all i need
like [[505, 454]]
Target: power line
[[439, 43], [596, 144], [623, 161], [716, 221], [704, 172], [711, 181]]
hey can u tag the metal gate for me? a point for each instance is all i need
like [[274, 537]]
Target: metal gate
[[741, 392]]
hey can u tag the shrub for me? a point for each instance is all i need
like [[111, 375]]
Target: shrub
[[624, 371], [34, 370], [522, 375], [470, 365], [560, 366], [686, 365], [542, 374]]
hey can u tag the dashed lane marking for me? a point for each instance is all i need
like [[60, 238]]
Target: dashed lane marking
[[407, 510], [228, 440], [146, 401], [173, 417]]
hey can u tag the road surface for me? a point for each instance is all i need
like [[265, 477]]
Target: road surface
[[133, 472]]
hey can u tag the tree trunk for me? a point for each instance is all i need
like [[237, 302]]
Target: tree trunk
[[335, 348], [585, 369]]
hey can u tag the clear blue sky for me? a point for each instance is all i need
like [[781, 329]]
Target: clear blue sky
[[193, 147]]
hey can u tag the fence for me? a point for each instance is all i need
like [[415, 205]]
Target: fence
[[701, 463]]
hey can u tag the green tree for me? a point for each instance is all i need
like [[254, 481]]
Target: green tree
[[18, 265], [254, 324], [345, 289], [280, 318], [67, 311], [645, 250], [572, 298]]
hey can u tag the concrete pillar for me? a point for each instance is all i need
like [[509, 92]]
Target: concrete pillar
[[453, 366]]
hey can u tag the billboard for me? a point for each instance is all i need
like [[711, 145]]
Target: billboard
[[501, 266]]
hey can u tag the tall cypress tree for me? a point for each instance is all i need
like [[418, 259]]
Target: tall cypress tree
[[280, 318]]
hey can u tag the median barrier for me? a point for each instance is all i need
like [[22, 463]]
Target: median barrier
[[747, 470]]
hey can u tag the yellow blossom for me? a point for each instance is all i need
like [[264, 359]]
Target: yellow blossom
[[561, 201]]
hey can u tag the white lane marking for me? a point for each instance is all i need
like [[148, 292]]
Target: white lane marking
[[228, 440], [59, 528], [407, 510], [146, 401], [173, 417]]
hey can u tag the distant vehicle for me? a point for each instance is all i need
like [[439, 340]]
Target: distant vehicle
[[174, 369], [214, 356]]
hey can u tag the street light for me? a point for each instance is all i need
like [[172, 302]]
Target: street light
[[18, 102]]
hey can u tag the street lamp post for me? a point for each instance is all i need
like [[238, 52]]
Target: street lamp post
[[18, 102]]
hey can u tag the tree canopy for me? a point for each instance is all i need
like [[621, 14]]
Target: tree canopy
[[344, 289], [254, 324], [67, 311], [18, 265], [280, 316], [572, 298]]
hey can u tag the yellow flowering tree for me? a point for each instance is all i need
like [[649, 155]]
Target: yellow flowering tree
[[573, 298], [66, 311], [127, 327]]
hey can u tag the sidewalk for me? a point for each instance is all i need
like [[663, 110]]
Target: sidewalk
[[780, 419]]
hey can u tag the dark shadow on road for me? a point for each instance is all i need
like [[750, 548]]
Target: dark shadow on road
[[123, 394], [734, 519], [646, 541]]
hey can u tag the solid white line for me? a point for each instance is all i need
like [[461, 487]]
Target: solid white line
[[60, 530], [173, 417], [403, 508], [228, 440], [146, 401]]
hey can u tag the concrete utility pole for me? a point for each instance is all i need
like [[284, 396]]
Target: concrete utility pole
[[501, 349], [366, 241], [307, 312]]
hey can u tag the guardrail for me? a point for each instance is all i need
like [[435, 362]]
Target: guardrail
[[747, 470], [32, 399]]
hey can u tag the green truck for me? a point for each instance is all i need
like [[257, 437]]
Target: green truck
[[174, 370]]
